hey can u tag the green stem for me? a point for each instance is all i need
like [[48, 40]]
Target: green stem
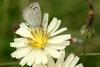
[[90, 54], [8, 64], [85, 41]]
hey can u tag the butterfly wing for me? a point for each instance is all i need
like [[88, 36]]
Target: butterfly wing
[[32, 14]]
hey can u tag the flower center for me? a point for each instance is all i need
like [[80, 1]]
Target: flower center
[[40, 38]]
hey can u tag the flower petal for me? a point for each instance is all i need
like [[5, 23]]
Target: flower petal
[[20, 40], [44, 58], [60, 60], [68, 60], [40, 57], [24, 31], [26, 59], [39, 65], [18, 45], [59, 31], [74, 62], [53, 52], [56, 26], [30, 60], [79, 65], [60, 46], [59, 39], [23, 61], [45, 20], [51, 62], [21, 52], [52, 24]]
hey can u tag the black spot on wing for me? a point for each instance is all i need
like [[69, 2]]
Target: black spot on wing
[[34, 7]]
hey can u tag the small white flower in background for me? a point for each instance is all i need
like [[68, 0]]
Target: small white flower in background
[[38, 38], [70, 61]]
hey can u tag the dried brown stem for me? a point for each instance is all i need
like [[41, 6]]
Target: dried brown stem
[[91, 13], [88, 28]]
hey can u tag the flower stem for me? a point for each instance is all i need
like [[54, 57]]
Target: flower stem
[[90, 14], [89, 25], [8, 64], [84, 45], [90, 54]]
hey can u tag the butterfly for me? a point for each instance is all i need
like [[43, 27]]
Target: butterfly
[[32, 14]]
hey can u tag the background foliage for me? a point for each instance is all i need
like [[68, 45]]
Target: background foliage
[[73, 14]]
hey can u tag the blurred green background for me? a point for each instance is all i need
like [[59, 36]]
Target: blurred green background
[[73, 13]]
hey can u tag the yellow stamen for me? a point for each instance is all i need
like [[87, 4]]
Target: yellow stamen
[[40, 38]]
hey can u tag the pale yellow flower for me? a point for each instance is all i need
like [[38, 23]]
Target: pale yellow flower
[[69, 61], [38, 39]]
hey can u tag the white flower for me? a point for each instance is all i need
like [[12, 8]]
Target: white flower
[[39, 40], [62, 61], [70, 61]]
